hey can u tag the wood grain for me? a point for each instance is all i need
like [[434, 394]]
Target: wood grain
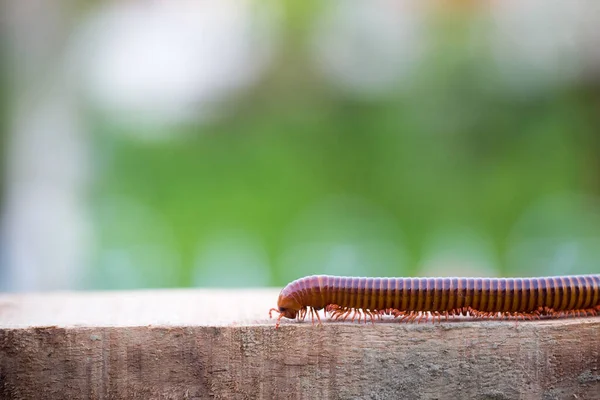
[[197, 344]]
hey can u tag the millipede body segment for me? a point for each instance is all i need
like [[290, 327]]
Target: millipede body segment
[[413, 299]]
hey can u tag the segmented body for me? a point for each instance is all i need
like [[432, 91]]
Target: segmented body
[[418, 298]]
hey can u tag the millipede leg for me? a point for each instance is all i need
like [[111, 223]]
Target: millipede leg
[[319, 318], [372, 319], [302, 314], [405, 316], [278, 318], [347, 314], [521, 315], [335, 312]]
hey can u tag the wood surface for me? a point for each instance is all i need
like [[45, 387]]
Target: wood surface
[[198, 344]]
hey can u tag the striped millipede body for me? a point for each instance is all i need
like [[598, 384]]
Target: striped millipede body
[[413, 299]]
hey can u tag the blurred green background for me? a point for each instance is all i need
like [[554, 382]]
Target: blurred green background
[[249, 144]]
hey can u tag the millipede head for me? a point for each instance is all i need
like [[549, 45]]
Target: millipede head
[[287, 307]]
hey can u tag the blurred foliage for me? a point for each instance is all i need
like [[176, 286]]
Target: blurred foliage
[[453, 148], [456, 169]]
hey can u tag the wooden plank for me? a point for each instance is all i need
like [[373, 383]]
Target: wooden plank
[[197, 344]]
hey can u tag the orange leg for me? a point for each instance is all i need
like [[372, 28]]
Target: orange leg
[[278, 318], [302, 314], [405, 316], [318, 318], [363, 315], [371, 317], [337, 313], [347, 314], [357, 312]]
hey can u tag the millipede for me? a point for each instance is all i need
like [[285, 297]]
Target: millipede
[[418, 299]]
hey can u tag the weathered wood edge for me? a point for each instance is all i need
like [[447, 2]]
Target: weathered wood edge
[[549, 359], [465, 360]]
